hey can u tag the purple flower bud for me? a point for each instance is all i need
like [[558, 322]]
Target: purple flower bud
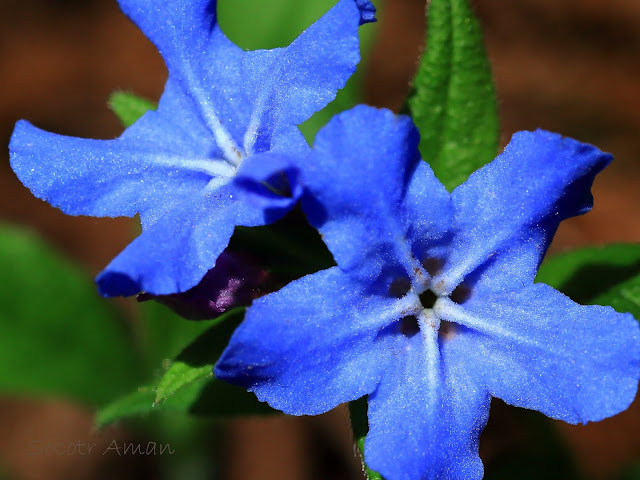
[[234, 281]]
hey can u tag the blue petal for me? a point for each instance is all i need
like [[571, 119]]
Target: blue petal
[[106, 177], [202, 62], [246, 98], [367, 11], [290, 84], [161, 161], [173, 255], [507, 212], [357, 176], [535, 348], [312, 345], [426, 416], [429, 214], [271, 182]]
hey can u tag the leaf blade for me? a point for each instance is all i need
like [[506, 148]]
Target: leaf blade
[[453, 102], [188, 386], [57, 336], [129, 107], [585, 273]]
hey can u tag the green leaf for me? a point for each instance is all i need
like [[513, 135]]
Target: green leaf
[[196, 361], [137, 403], [289, 248], [265, 28], [187, 384], [631, 472], [129, 107], [453, 102], [624, 297], [534, 450], [360, 427], [165, 333], [586, 273], [58, 338]]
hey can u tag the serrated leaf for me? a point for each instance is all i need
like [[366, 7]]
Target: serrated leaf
[[129, 107], [584, 274], [58, 338], [453, 101], [165, 333], [197, 359], [178, 376], [137, 403], [188, 385]]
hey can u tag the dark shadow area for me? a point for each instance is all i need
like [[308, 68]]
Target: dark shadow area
[[590, 281]]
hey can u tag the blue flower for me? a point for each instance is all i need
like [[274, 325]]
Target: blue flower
[[224, 113], [432, 308]]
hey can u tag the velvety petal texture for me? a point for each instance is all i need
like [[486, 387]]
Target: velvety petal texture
[[174, 254], [507, 212], [224, 111], [312, 345], [432, 309], [364, 222], [536, 348], [426, 415]]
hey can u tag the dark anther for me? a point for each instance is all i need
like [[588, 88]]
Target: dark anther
[[461, 294], [428, 299], [409, 326], [433, 265], [447, 330], [399, 287]]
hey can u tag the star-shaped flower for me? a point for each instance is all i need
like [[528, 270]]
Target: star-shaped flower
[[432, 309], [224, 112]]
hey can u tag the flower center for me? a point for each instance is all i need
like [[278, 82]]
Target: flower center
[[428, 299], [424, 306]]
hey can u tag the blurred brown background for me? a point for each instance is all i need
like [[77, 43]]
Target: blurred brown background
[[570, 66]]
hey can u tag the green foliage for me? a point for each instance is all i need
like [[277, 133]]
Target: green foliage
[[631, 472], [129, 107], [624, 297], [164, 333], [187, 384], [606, 275], [290, 248], [536, 451], [259, 25], [453, 101], [196, 361], [58, 338]]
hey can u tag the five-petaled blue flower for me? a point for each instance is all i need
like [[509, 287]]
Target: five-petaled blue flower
[[432, 308], [224, 113]]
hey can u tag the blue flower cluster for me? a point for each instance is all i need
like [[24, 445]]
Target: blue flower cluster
[[432, 308]]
